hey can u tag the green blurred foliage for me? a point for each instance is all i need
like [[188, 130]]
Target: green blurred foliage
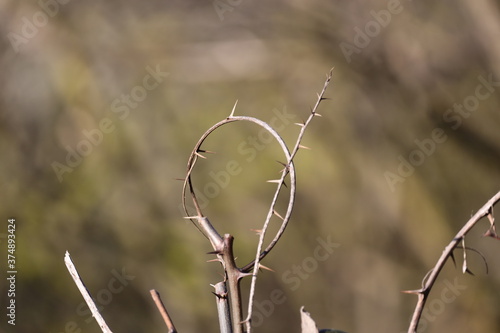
[[68, 66]]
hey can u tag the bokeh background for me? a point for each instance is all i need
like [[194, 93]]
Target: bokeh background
[[92, 143]]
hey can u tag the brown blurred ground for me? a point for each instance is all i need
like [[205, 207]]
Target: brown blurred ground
[[402, 70]]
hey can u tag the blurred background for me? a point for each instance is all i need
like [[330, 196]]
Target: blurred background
[[101, 103]]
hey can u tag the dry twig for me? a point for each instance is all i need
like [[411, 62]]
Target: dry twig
[[163, 311], [85, 293], [423, 293]]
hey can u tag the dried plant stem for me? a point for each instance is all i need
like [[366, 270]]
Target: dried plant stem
[[163, 311], [223, 307], [427, 284], [272, 210], [223, 245], [85, 293]]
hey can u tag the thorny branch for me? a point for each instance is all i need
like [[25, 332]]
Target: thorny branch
[[223, 245], [431, 277], [288, 168]]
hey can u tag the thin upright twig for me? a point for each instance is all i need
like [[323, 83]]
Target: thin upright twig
[[423, 293], [85, 293], [272, 210], [163, 311]]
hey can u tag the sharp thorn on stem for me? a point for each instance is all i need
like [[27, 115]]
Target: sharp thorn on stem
[[199, 155], [257, 231], [214, 260], [452, 256], [265, 267], [234, 108], [191, 217], [277, 214], [415, 292], [206, 151]]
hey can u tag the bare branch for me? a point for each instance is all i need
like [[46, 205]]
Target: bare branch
[[85, 293], [290, 169], [163, 311], [223, 247], [223, 307], [448, 253]]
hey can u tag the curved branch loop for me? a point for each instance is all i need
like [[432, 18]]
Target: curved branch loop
[[200, 221]]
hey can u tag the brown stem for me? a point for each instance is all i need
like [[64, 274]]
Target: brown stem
[[233, 282], [163, 311]]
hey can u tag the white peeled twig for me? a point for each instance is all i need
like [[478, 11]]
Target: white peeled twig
[[85, 293]]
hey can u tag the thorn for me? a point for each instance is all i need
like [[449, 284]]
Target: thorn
[[277, 181], [234, 108], [300, 124], [453, 259], [286, 167], [206, 151], [277, 214], [191, 217], [257, 231], [265, 267], [199, 155], [415, 292], [324, 98], [304, 147], [215, 252], [317, 114], [213, 260], [319, 96], [223, 296], [181, 179], [242, 275]]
